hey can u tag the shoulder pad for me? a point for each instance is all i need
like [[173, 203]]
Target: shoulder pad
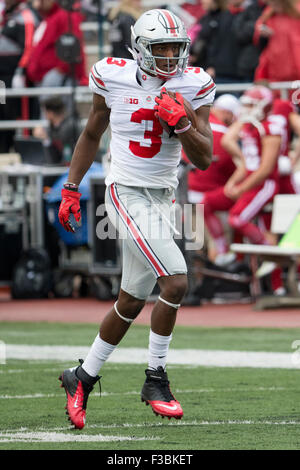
[[106, 71], [198, 87], [203, 83]]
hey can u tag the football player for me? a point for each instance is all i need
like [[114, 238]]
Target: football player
[[145, 101], [285, 116], [256, 180], [208, 188]]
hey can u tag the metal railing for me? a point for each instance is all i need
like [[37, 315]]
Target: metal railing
[[84, 95]]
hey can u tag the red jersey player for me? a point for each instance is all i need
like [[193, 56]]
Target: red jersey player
[[208, 187], [255, 181], [284, 115]]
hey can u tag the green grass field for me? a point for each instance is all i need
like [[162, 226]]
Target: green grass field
[[224, 407]]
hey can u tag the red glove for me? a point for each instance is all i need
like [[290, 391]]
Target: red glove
[[69, 205], [170, 109]]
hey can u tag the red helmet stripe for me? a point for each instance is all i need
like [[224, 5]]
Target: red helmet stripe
[[171, 23]]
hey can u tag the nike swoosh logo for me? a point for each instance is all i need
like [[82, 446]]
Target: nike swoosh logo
[[75, 404], [169, 407], [168, 111]]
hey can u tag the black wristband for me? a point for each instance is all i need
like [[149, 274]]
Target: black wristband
[[71, 186]]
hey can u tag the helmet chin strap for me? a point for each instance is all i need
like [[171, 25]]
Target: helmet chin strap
[[164, 75], [158, 73]]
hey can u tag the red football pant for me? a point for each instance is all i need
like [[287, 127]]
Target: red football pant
[[249, 206], [216, 201], [286, 185]]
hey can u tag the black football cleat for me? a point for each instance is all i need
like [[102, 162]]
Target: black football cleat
[[77, 391], [156, 392]]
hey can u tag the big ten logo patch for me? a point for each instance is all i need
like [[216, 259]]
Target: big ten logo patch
[[130, 100]]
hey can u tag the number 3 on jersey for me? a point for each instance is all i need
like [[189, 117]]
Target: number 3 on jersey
[[154, 135], [118, 62]]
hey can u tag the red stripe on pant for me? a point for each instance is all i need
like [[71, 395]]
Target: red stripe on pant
[[134, 233]]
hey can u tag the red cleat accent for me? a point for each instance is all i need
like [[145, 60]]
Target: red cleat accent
[[170, 409], [74, 407], [77, 393], [156, 392]]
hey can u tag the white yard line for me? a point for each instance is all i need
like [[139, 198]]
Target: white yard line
[[62, 430], [198, 423], [48, 436], [136, 392], [30, 397], [209, 358], [57, 435]]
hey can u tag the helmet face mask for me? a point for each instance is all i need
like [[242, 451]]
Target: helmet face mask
[[159, 27]]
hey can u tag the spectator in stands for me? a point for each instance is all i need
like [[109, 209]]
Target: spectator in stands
[[255, 181], [215, 47], [194, 9], [92, 9], [237, 6], [18, 23], [280, 24], [63, 131], [208, 187], [45, 67], [121, 18], [192, 12], [243, 27]]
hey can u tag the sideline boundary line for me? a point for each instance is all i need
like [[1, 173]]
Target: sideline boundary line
[[199, 357]]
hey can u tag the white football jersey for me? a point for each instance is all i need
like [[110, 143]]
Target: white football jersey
[[142, 154]]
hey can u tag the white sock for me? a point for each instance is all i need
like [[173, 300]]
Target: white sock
[[158, 350], [97, 355]]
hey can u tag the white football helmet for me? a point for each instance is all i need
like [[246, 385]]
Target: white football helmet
[[156, 27]]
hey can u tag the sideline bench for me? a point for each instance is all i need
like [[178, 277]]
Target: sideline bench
[[285, 209]]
